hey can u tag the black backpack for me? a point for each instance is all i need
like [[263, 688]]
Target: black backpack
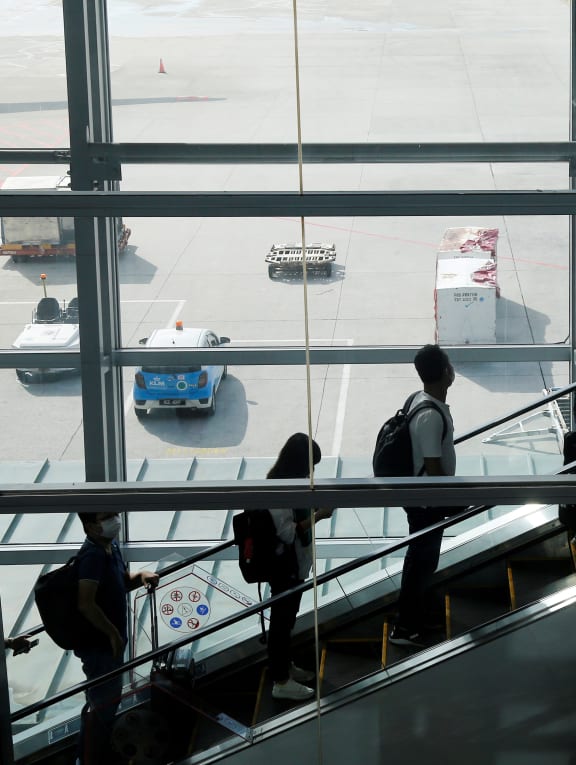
[[261, 555], [56, 596], [393, 451]]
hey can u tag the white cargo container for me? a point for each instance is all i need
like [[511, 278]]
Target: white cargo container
[[22, 238], [469, 242], [465, 301]]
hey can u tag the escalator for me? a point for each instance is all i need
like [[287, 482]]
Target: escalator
[[486, 577], [356, 658], [228, 707], [501, 694]]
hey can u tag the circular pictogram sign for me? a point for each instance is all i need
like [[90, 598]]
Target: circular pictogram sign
[[184, 609]]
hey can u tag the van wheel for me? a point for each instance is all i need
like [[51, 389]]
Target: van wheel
[[211, 411], [141, 413]]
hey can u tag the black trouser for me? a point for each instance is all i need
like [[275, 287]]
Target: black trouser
[[98, 716], [420, 563], [282, 620]]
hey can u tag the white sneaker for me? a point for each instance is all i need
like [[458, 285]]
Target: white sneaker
[[292, 690], [301, 675]]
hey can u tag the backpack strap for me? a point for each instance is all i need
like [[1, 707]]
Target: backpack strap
[[429, 405], [263, 637], [408, 402]]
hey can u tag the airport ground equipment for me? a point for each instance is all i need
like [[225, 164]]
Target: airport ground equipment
[[287, 259], [23, 238]]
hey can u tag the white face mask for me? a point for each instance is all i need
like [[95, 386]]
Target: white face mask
[[110, 527]]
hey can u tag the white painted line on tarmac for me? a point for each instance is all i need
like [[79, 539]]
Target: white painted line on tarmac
[[171, 323], [296, 340], [341, 408], [35, 302]]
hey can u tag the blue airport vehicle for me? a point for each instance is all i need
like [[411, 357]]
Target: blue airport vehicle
[[181, 388]]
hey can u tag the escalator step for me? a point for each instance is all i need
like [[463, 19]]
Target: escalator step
[[554, 548], [350, 660], [472, 607], [536, 579]]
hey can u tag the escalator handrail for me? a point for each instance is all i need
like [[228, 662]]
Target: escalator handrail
[[214, 550], [511, 415], [228, 621], [459, 439]]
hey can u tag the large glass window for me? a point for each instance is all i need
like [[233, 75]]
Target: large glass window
[[186, 73], [34, 107]]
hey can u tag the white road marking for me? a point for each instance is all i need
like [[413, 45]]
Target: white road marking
[[341, 408], [296, 340]]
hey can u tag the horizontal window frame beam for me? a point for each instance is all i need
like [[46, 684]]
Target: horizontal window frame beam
[[172, 204], [154, 550], [103, 154], [292, 356], [225, 495]]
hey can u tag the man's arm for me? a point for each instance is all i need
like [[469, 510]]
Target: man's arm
[[320, 514], [91, 611], [429, 430], [140, 579], [20, 644], [433, 466]]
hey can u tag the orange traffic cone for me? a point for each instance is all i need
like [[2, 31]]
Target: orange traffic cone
[[161, 69]]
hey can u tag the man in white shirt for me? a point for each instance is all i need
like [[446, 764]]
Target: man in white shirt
[[432, 437]]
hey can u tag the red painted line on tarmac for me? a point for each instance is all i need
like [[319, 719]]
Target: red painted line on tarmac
[[363, 233], [21, 131], [418, 242]]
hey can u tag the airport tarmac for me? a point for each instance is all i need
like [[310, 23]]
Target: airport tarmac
[[448, 73]]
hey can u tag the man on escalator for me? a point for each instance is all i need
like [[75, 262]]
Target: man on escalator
[[103, 581], [432, 438]]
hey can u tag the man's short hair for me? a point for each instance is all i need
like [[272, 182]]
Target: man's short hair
[[431, 362], [87, 518]]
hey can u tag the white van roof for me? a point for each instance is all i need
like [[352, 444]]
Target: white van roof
[[188, 337]]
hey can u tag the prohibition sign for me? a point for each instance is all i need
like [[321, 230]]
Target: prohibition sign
[[184, 609]]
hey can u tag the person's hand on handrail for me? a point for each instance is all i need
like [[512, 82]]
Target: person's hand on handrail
[[20, 644]]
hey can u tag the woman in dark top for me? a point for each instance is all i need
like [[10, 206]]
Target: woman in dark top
[[293, 528]]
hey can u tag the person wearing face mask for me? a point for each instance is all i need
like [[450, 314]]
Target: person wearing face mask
[[103, 581]]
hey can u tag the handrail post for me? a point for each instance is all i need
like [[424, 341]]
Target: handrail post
[[6, 746]]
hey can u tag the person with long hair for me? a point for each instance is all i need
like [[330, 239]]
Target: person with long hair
[[294, 532]]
